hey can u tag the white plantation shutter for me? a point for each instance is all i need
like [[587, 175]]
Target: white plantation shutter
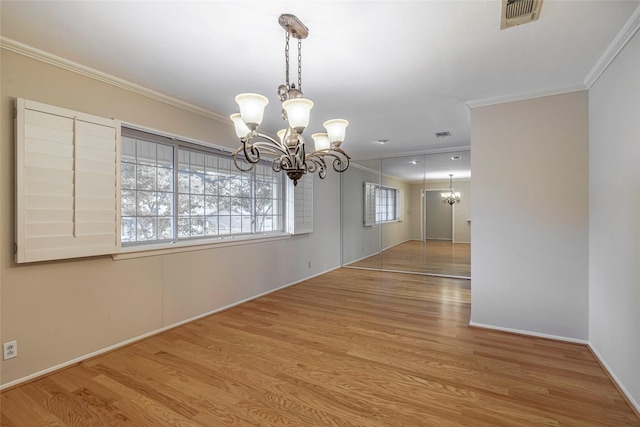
[[67, 198], [300, 205], [369, 204]]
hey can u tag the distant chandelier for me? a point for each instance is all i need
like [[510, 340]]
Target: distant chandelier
[[450, 197], [289, 153]]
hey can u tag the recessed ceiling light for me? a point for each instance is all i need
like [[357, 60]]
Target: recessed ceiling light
[[381, 141], [442, 134], [456, 158]]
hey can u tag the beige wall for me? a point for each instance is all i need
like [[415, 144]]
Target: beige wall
[[60, 311], [530, 216]]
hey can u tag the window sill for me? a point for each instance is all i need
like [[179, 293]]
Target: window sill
[[141, 251]]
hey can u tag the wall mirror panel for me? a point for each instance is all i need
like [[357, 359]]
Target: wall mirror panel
[[393, 217]]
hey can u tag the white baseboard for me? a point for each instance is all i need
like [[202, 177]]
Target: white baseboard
[[615, 379], [529, 333], [104, 350]]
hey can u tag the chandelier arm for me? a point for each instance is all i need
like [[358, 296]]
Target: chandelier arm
[[340, 162], [271, 145], [316, 163], [235, 159]]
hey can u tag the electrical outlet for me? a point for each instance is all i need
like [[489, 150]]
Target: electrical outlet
[[10, 350], [309, 264]]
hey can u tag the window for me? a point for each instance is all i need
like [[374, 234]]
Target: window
[[381, 204], [173, 190], [87, 186], [386, 204]]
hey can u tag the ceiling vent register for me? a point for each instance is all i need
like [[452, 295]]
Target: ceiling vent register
[[518, 12]]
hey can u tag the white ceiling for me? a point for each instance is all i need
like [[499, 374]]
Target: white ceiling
[[397, 70]]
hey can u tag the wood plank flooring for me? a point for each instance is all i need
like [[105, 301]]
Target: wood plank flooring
[[423, 256], [348, 348]]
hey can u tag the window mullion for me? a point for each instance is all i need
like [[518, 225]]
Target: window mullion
[[176, 172], [252, 205]]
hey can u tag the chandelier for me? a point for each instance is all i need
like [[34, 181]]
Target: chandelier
[[288, 152], [450, 197]]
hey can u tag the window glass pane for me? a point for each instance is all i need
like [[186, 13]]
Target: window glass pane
[[128, 202], [146, 177], [165, 228], [128, 152], [146, 229], [128, 225], [146, 202], [128, 179], [183, 182], [184, 227], [197, 226], [165, 179], [146, 167], [197, 183], [196, 205], [164, 204], [165, 156], [224, 224], [211, 225], [146, 152]]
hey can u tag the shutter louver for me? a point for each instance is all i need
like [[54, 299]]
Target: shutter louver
[[369, 204], [66, 176], [300, 203]]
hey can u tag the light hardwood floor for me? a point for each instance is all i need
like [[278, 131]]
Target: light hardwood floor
[[348, 348], [423, 256]]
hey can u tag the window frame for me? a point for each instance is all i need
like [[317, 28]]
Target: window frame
[[181, 244], [372, 204]]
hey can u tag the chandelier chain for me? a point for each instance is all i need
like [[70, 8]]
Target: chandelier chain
[[300, 65], [286, 55]]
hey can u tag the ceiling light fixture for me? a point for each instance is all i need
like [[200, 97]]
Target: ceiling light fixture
[[289, 152], [450, 197]]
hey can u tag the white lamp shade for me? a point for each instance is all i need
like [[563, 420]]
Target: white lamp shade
[[298, 113], [252, 108], [321, 141], [336, 129], [241, 129]]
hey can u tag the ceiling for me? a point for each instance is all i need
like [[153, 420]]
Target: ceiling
[[397, 70]]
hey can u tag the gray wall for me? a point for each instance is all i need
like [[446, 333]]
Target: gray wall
[[438, 217], [614, 218]]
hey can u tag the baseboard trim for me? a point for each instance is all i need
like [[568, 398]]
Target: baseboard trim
[[635, 406], [528, 333], [100, 352]]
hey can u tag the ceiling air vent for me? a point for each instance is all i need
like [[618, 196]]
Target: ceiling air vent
[[518, 12]]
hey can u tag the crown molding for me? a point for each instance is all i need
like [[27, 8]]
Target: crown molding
[[48, 58], [524, 96], [626, 33]]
